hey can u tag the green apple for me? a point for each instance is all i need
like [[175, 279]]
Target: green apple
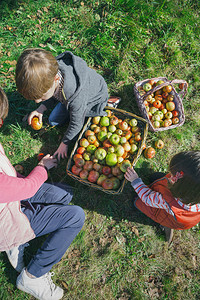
[[133, 148], [105, 121], [91, 148], [119, 150], [116, 182], [101, 178], [133, 122], [119, 131], [112, 128], [111, 159], [102, 135], [100, 154], [160, 113], [111, 149], [124, 165], [147, 87], [114, 139], [123, 140]]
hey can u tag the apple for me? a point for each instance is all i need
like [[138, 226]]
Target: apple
[[159, 82], [153, 110], [119, 131], [159, 144], [84, 143], [106, 170], [88, 165], [89, 132], [175, 113], [158, 98], [87, 155], [96, 143], [159, 113], [132, 141], [123, 125], [164, 111], [35, 124], [109, 113], [111, 159], [148, 99], [164, 95], [79, 162], [119, 159], [168, 115], [76, 170], [105, 121], [156, 124], [107, 143], [138, 136], [175, 120], [156, 117], [135, 129], [157, 104], [114, 120], [128, 134], [77, 155], [107, 184], [96, 167], [116, 170], [165, 123], [96, 120], [170, 98], [167, 88], [111, 149], [112, 128], [127, 147], [116, 182], [100, 153], [93, 176], [97, 129], [91, 148], [109, 134], [147, 87], [133, 122], [149, 152], [114, 139], [102, 135], [91, 139], [181, 86], [83, 174], [93, 126], [123, 140], [104, 128], [80, 150], [124, 165], [170, 106], [133, 148], [119, 150], [40, 156], [101, 178]]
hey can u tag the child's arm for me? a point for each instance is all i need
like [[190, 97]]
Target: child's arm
[[147, 195]]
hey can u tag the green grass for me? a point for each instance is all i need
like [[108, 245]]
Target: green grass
[[120, 253]]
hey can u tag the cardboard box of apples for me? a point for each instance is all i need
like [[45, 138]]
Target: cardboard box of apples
[[105, 148], [160, 103]]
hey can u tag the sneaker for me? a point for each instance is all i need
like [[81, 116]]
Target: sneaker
[[16, 257], [168, 233], [113, 101], [41, 288]]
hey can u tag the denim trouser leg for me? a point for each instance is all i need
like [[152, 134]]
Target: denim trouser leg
[[59, 115], [51, 214]]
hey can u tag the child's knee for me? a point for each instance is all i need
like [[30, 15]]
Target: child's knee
[[79, 215]]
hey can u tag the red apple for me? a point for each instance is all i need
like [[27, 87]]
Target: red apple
[[76, 170], [108, 184], [91, 139], [106, 170], [123, 125], [88, 165], [81, 150], [114, 120], [101, 178], [149, 152], [89, 132], [79, 162], [93, 176], [83, 174]]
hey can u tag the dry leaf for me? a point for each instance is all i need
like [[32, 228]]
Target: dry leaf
[[45, 9]]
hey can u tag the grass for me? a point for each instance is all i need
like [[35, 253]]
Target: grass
[[120, 253]]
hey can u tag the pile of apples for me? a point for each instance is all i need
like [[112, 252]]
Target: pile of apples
[[106, 149], [160, 105]]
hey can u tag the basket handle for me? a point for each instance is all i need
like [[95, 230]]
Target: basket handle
[[168, 82]]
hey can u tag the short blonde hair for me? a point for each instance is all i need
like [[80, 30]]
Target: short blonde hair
[[4, 106], [35, 73]]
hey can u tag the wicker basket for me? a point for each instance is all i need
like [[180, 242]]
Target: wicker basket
[[122, 114], [177, 100]]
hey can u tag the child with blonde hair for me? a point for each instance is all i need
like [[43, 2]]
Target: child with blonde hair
[[174, 199], [77, 90]]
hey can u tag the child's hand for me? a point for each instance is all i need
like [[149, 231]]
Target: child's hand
[[33, 114], [61, 152], [48, 161], [130, 174]]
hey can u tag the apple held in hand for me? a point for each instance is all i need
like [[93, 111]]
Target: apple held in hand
[[35, 124], [125, 165]]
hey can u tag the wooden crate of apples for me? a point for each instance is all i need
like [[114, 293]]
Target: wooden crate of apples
[[159, 102], [105, 148]]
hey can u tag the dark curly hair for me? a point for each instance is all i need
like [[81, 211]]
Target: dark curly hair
[[186, 188], [3, 104]]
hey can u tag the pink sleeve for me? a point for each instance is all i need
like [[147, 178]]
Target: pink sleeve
[[16, 189]]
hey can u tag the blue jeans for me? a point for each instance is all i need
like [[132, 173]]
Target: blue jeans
[[59, 115], [49, 213]]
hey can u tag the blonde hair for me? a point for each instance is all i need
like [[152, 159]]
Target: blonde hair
[[35, 73], [3, 104]]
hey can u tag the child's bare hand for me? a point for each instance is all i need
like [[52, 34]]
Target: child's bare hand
[[130, 174], [61, 152], [48, 161], [33, 114]]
